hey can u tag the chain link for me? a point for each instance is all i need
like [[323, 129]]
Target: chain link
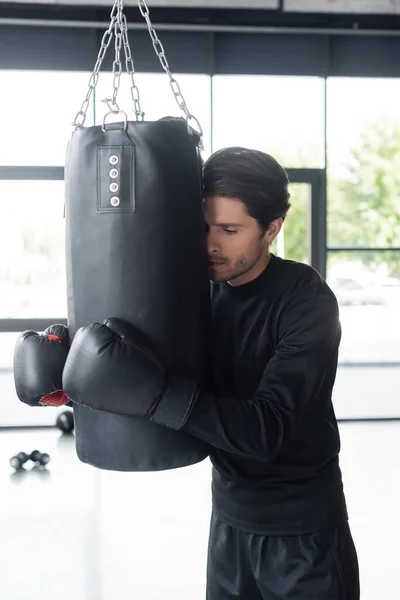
[[130, 69], [117, 66], [94, 77], [118, 27], [160, 52]]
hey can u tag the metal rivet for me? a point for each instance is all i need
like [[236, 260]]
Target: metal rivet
[[114, 173], [114, 187], [114, 159], [114, 201]]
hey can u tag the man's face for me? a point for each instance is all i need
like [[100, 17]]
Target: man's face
[[236, 244]]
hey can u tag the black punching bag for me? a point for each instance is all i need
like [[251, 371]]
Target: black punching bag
[[136, 249]]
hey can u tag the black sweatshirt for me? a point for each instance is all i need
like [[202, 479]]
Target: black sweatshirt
[[269, 414]]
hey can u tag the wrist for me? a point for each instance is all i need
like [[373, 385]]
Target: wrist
[[176, 402]]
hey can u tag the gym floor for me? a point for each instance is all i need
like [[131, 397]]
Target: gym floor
[[72, 531]]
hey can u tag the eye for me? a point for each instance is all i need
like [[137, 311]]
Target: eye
[[230, 231]]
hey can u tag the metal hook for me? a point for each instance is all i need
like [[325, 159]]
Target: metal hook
[[114, 112], [198, 131], [110, 103]]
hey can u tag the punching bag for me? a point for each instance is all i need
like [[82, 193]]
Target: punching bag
[[136, 250]]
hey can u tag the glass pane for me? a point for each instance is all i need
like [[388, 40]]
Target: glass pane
[[283, 116], [39, 107], [32, 266], [293, 242], [157, 99], [367, 286], [7, 344], [363, 128]]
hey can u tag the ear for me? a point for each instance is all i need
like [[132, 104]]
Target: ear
[[273, 230]]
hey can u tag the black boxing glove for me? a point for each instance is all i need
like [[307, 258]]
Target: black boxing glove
[[39, 361], [111, 367]]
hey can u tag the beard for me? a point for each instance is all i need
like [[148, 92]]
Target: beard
[[231, 270]]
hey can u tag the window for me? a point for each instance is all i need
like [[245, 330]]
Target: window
[[283, 116], [363, 213], [367, 286], [293, 241], [32, 266], [363, 130], [363, 262], [38, 111]]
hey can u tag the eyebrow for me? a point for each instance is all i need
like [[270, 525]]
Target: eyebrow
[[228, 224]]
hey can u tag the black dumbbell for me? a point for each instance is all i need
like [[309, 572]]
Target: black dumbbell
[[39, 458], [19, 460], [65, 421]]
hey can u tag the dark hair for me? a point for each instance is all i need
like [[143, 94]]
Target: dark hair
[[253, 177]]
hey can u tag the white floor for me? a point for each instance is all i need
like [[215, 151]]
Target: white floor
[[78, 533]]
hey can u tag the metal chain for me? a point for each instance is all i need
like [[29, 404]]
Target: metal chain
[[117, 66], [160, 52], [118, 26], [130, 68], [105, 42]]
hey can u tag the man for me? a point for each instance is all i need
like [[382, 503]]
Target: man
[[279, 527]]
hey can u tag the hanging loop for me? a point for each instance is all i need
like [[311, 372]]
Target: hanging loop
[[197, 127], [114, 112], [113, 109]]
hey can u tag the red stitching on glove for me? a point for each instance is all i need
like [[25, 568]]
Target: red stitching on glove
[[56, 338], [57, 398], [158, 400]]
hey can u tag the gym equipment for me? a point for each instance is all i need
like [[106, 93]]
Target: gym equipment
[[39, 361], [136, 250], [111, 367], [41, 459], [65, 421], [19, 460]]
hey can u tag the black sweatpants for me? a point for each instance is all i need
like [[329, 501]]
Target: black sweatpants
[[317, 566]]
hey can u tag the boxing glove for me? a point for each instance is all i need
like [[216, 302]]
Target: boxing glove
[[39, 361], [111, 367]]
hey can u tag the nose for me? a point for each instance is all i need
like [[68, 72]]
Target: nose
[[212, 245]]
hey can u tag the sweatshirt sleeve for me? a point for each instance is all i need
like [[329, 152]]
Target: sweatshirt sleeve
[[309, 336]]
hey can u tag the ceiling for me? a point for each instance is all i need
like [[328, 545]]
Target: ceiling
[[344, 6], [384, 7]]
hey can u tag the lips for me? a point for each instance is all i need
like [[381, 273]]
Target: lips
[[215, 263]]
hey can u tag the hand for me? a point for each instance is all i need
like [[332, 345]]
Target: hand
[[111, 367], [39, 361]]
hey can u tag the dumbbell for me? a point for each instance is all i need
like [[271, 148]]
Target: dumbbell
[[41, 459], [65, 421], [19, 460]]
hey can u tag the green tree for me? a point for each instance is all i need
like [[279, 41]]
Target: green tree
[[364, 206], [296, 227]]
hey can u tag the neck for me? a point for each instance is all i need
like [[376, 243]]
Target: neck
[[254, 272]]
